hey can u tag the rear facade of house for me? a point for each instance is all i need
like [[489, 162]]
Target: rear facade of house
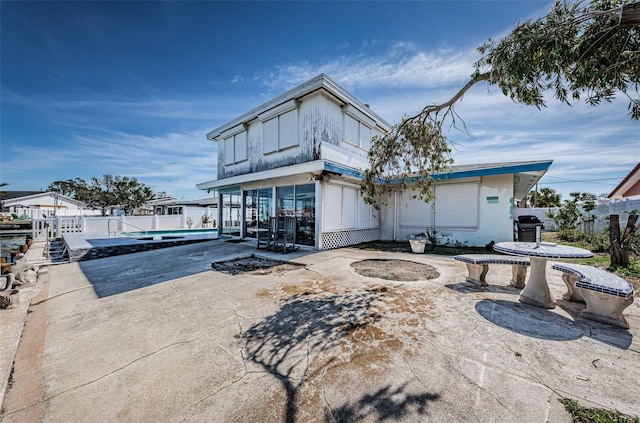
[[302, 154]]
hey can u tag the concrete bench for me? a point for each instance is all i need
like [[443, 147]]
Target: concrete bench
[[605, 294], [478, 266]]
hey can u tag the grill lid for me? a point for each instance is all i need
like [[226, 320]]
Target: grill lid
[[528, 219]]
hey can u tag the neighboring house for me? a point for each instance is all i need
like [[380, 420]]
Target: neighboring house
[[195, 210], [629, 187], [36, 204], [154, 206], [302, 154]]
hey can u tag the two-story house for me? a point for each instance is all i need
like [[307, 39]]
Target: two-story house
[[302, 154]]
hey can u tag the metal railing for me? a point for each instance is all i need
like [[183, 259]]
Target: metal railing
[[124, 223]]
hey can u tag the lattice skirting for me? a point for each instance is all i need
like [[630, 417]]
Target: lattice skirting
[[331, 240]]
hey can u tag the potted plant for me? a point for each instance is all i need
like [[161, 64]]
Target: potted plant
[[206, 219], [418, 243], [189, 222]]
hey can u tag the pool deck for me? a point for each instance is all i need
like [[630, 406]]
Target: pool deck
[[159, 336], [84, 246]]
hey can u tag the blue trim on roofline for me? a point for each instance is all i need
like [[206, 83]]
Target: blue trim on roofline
[[502, 170], [331, 167], [472, 173]]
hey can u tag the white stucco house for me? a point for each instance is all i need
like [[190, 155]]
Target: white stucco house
[[302, 154], [36, 204], [193, 211]]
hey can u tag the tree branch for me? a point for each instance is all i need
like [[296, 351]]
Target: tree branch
[[630, 15], [448, 104]]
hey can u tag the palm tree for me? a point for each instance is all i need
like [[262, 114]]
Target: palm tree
[[546, 197]]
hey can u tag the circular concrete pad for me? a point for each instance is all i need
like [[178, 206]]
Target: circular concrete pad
[[395, 270]]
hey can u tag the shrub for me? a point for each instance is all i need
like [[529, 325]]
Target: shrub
[[571, 235], [600, 243], [595, 415]]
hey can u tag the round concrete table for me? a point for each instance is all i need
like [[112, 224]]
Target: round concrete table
[[536, 291]]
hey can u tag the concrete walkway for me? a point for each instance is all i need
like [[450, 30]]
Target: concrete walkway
[[159, 337]]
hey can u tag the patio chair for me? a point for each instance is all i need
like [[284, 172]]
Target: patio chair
[[266, 237], [287, 238]]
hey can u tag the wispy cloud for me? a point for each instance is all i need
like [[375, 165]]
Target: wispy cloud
[[109, 111], [595, 144], [174, 162], [159, 137], [400, 66]]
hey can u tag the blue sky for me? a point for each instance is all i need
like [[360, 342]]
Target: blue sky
[[131, 88]]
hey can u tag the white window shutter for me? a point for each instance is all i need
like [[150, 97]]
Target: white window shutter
[[349, 208], [457, 205], [240, 146], [229, 151], [270, 136], [332, 208], [288, 129]]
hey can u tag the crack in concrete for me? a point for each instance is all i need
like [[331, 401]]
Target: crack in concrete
[[222, 388], [82, 385], [243, 360], [61, 294], [489, 393], [448, 358], [323, 389], [175, 288], [424, 385], [45, 400]]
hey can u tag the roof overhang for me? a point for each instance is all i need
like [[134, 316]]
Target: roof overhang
[[15, 202], [320, 82], [315, 167], [626, 184], [525, 174]]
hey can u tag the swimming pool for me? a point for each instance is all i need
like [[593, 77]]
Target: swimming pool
[[168, 234], [87, 246]]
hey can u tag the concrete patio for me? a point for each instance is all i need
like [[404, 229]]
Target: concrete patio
[[159, 336]]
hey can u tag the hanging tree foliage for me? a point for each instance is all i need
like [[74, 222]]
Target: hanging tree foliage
[[579, 50]]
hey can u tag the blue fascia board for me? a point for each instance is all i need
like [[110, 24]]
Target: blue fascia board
[[331, 167], [502, 170], [472, 173]]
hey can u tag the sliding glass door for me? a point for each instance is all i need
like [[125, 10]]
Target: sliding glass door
[[231, 208], [291, 200], [299, 201], [257, 211], [306, 214]]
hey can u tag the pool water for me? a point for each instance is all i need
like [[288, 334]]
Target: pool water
[[175, 232]]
